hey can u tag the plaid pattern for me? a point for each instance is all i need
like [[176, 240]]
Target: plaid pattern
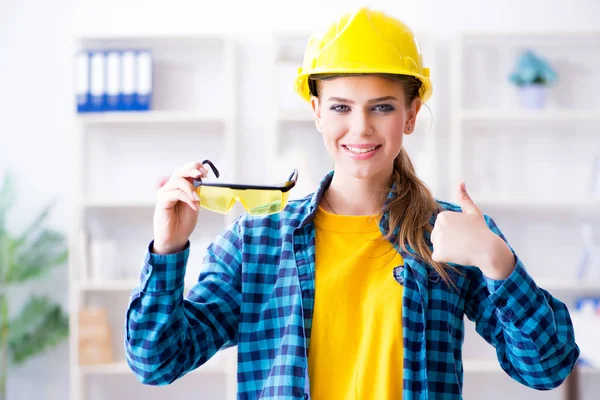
[[257, 290]]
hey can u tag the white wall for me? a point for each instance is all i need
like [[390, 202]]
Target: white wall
[[36, 102]]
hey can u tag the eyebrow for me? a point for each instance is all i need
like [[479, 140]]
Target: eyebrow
[[377, 100]]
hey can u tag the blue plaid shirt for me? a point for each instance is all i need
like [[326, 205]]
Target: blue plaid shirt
[[257, 291]]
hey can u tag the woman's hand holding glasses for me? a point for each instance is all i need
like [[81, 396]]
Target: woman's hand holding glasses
[[176, 211]]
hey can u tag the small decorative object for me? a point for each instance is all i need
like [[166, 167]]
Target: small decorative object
[[30, 255], [532, 75], [94, 336]]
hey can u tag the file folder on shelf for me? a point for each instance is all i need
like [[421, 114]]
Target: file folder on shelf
[[97, 81], [128, 76], [114, 80], [144, 80], [82, 81]]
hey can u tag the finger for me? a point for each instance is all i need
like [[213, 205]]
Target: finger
[[182, 184], [199, 166], [172, 197], [193, 165], [193, 176], [466, 203], [191, 172]]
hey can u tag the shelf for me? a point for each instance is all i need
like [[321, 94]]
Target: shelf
[[585, 205], [493, 367], [527, 35], [121, 368], [296, 116], [530, 116], [586, 334], [117, 285], [150, 117], [116, 203], [176, 38], [569, 285]]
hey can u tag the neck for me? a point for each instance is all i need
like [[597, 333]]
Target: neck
[[348, 195]]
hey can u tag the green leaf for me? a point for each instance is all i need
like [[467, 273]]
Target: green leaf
[[40, 325], [6, 200], [34, 259], [33, 226], [5, 256]]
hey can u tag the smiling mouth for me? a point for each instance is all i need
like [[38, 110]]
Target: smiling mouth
[[356, 150]]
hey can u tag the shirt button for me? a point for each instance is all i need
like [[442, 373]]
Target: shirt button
[[306, 396], [501, 303]]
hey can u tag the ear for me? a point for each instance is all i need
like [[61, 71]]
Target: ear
[[316, 107], [411, 116]]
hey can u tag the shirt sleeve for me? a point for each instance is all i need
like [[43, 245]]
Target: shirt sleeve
[[530, 329], [167, 336]]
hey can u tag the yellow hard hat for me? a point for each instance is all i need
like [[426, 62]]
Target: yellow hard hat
[[362, 42]]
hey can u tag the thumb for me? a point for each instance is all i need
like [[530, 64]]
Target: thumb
[[466, 203]]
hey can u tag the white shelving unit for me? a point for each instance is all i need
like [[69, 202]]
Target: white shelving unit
[[121, 157], [528, 169], [153, 117], [295, 141]]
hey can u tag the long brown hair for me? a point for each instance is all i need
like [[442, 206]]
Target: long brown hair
[[412, 205]]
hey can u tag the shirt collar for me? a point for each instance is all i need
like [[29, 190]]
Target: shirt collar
[[317, 195]]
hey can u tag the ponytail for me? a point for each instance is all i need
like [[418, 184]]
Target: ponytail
[[410, 210]]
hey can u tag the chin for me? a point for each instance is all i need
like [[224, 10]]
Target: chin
[[364, 171]]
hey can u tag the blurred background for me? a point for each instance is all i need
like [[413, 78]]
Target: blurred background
[[101, 100]]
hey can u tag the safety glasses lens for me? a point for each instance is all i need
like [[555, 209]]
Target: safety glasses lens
[[255, 202]]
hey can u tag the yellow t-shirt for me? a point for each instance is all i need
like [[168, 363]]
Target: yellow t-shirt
[[356, 337]]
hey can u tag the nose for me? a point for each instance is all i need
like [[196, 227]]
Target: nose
[[361, 124]]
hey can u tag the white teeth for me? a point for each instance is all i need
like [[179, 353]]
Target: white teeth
[[360, 151]]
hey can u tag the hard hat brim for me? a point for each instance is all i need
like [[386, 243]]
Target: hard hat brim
[[302, 87]]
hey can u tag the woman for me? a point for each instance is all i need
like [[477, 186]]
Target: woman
[[358, 291]]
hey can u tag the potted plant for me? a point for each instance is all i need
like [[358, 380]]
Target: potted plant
[[30, 255], [532, 75]]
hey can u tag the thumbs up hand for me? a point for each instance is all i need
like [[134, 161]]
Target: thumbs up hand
[[464, 238]]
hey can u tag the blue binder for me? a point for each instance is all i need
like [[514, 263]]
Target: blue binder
[[82, 81], [113, 80], [128, 85], [98, 81], [144, 80]]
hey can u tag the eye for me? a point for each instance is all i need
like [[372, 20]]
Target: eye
[[383, 108], [341, 108]]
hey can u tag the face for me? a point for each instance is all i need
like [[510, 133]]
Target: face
[[363, 120]]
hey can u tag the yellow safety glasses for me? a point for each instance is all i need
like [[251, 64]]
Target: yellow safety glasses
[[256, 200]]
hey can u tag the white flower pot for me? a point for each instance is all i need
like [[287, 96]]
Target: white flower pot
[[533, 96]]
